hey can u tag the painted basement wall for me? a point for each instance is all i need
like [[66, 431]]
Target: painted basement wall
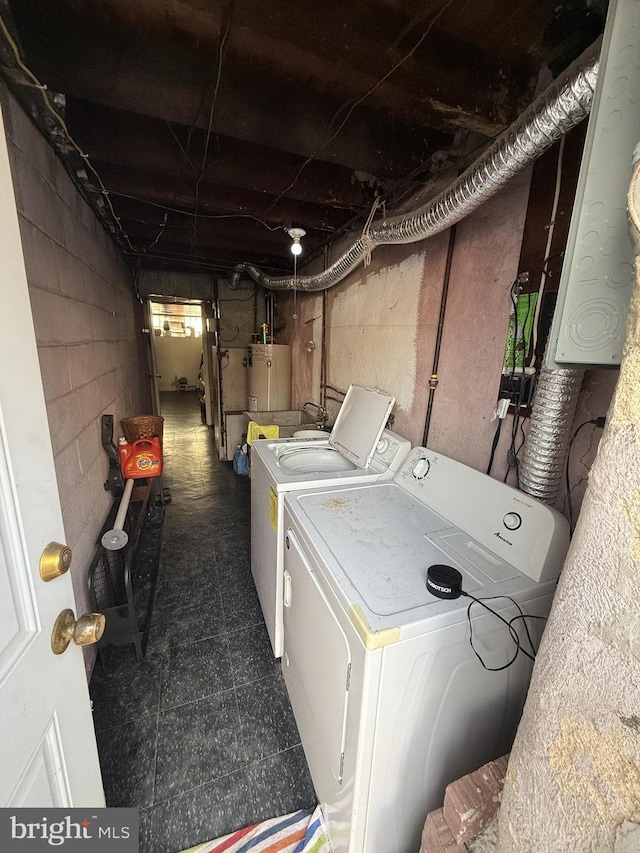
[[87, 326], [177, 358], [382, 324], [381, 331], [485, 264]]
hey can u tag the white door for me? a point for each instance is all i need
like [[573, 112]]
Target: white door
[[47, 742], [152, 359], [208, 373]]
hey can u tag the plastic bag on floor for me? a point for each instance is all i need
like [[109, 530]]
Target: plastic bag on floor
[[298, 832], [241, 460]]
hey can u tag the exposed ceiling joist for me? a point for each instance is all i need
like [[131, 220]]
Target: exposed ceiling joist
[[275, 114]]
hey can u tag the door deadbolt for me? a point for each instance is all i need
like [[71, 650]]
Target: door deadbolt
[[55, 561], [84, 631]]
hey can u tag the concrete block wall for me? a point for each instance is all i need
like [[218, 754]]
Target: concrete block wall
[[88, 328]]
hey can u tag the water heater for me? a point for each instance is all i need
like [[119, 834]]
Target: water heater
[[269, 377]]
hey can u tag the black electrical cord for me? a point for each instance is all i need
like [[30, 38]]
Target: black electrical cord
[[512, 452], [445, 582], [509, 623], [494, 444], [597, 422]]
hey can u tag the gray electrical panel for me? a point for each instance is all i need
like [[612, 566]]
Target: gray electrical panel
[[589, 323]]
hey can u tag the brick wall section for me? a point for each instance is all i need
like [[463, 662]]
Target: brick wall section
[[437, 836], [88, 329], [466, 821], [471, 803]]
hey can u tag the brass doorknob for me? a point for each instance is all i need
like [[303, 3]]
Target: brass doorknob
[[84, 631], [55, 561]]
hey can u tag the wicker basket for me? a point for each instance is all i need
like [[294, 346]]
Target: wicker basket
[[142, 426]]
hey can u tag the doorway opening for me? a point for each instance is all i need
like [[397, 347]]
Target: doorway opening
[[178, 363]]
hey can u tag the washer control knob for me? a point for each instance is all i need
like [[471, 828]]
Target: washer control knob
[[512, 521], [383, 445], [421, 468]]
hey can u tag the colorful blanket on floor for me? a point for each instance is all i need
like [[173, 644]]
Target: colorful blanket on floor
[[299, 832]]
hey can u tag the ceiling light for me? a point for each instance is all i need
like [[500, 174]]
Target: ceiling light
[[296, 234]]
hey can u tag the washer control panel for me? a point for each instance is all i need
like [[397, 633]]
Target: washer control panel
[[514, 526], [392, 450]]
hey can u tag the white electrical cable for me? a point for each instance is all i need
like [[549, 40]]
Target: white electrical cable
[[295, 289], [547, 250]]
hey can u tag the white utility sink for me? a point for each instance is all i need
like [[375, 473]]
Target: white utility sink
[[314, 460], [310, 433]]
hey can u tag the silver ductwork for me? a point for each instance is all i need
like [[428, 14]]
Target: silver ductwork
[[561, 107], [545, 449]]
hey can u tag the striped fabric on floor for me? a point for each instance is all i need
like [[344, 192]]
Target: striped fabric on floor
[[299, 832]]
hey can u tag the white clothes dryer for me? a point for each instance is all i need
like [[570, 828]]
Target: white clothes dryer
[[390, 699], [357, 450]]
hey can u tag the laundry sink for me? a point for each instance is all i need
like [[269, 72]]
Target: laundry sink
[[314, 460], [289, 421]]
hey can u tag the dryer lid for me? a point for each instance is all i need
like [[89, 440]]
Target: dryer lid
[[360, 422]]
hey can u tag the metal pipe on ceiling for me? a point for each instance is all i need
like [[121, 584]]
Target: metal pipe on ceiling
[[562, 106]]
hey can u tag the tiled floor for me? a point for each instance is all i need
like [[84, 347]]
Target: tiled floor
[[200, 735]]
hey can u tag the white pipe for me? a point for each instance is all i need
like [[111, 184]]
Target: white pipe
[[117, 537], [124, 506]]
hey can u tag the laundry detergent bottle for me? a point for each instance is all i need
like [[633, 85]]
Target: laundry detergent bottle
[[142, 458]]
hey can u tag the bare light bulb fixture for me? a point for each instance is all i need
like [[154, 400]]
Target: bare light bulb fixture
[[296, 234], [296, 250]]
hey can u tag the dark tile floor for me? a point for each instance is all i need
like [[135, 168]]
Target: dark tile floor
[[200, 735]]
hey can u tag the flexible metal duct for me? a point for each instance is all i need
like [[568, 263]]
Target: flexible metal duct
[[561, 107], [545, 448]]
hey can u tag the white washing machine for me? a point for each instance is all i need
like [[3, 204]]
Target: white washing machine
[[391, 701], [357, 450]]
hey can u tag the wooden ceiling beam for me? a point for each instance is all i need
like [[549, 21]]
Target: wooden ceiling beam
[[349, 51], [219, 266], [226, 253], [448, 83], [140, 75], [161, 190], [133, 141], [242, 233]]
